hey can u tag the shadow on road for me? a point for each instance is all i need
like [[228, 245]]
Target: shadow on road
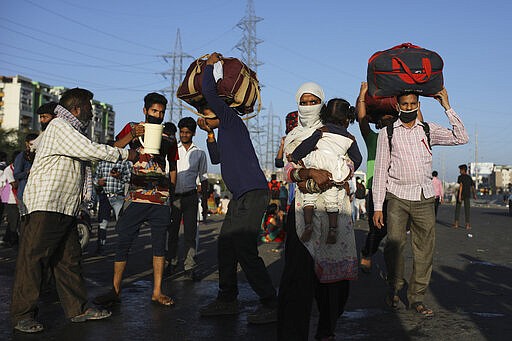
[[480, 290]]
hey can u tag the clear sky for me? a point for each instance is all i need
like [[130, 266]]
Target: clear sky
[[112, 48]]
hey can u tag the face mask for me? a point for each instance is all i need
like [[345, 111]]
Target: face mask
[[44, 125], [153, 119], [309, 115], [407, 116]]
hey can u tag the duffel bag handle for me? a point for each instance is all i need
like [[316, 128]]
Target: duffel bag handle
[[417, 77], [199, 60], [405, 46]]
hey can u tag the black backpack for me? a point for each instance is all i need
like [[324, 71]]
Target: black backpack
[[426, 129]]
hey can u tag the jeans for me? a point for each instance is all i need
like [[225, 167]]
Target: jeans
[[116, 201]]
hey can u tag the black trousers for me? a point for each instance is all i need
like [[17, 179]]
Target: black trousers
[[238, 243], [375, 235], [299, 284], [183, 207], [436, 205], [48, 239], [13, 223]]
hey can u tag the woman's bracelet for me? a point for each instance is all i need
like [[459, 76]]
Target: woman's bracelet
[[296, 176], [312, 186]]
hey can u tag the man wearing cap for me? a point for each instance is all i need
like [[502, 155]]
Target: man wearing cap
[[46, 113], [244, 178]]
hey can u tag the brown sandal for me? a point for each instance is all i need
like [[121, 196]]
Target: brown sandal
[[392, 301], [422, 309], [163, 300]]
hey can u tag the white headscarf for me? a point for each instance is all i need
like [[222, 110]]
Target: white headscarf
[[309, 115]]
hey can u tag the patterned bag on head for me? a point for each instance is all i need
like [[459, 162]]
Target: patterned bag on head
[[239, 86]]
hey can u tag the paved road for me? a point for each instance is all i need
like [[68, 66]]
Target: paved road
[[471, 292]]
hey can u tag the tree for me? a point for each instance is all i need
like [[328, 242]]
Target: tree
[[9, 142]]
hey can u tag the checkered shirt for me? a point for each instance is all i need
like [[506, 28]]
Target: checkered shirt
[[56, 178], [113, 185]]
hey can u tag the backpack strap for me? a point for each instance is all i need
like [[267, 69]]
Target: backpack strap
[[389, 129], [424, 125], [426, 129]]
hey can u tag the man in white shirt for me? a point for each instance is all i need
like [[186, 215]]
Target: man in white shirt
[[191, 167]]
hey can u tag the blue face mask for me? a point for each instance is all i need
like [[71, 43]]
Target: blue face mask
[[407, 116]]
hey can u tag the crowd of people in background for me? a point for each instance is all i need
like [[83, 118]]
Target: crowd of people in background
[[310, 209]]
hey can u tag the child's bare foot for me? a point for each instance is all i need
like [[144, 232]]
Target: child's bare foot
[[331, 236], [306, 235]]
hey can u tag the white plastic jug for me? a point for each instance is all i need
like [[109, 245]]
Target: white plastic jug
[[152, 138]]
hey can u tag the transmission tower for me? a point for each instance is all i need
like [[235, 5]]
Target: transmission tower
[[248, 48], [273, 139], [175, 74]]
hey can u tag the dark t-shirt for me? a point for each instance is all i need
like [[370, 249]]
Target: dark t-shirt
[[233, 148], [467, 184]]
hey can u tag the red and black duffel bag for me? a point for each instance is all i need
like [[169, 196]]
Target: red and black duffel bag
[[239, 86], [405, 68], [378, 107]]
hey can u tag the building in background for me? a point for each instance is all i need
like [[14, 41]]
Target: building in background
[[20, 97], [501, 178]]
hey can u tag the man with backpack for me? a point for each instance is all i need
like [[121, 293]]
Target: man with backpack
[[403, 170], [375, 235]]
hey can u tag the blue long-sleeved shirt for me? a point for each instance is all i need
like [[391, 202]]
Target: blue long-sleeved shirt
[[233, 148], [21, 171]]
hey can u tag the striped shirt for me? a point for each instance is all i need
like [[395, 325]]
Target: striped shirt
[[56, 178], [407, 172]]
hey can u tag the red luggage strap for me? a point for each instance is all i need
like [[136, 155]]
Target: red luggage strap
[[416, 77]]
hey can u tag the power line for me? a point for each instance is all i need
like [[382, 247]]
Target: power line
[[68, 49], [73, 40], [90, 27], [71, 63], [73, 80], [175, 74]]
